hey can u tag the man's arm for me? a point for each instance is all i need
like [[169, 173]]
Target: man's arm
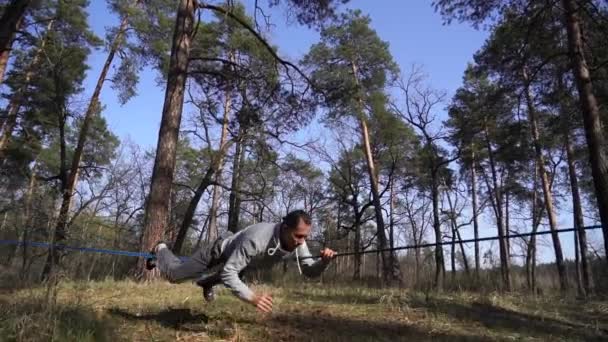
[[311, 268], [237, 261]]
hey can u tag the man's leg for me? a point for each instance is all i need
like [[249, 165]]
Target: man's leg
[[176, 270]]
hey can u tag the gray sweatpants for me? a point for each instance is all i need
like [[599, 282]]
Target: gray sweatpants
[[176, 270]]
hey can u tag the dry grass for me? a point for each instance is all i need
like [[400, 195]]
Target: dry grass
[[129, 311]]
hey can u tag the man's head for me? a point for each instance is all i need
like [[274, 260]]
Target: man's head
[[295, 229]]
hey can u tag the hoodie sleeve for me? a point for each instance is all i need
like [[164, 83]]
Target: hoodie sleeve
[[236, 262], [310, 268]]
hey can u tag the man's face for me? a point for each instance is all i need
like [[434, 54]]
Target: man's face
[[294, 237]]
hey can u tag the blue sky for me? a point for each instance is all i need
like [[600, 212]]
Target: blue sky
[[412, 28], [416, 34]]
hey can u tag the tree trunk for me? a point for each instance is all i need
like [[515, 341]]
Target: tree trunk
[[391, 271], [475, 220], [579, 224], [537, 210], [596, 142], [17, 98], [72, 177], [464, 255], [417, 241], [559, 259], [391, 223], [212, 232], [190, 211], [453, 251], [27, 217], [157, 209], [9, 24], [200, 236], [357, 243], [439, 259], [456, 234], [496, 200], [214, 165], [507, 226], [234, 207]]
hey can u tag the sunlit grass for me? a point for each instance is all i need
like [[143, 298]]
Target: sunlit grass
[[159, 311]]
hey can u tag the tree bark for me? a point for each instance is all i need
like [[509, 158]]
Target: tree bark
[[27, 217], [9, 24], [212, 231], [391, 271], [507, 226], [579, 224], [496, 200], [190, 211], [465, 261], [357, 250], [157, 209], [559, 258], [391, 223], [439, 259], [596, 142], [537, 210], [475, 220], [234, 205]]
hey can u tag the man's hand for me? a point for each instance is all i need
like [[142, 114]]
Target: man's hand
[[327, 254], [263, 303]]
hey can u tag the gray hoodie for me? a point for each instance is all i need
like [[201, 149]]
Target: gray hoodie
[[258, 246]]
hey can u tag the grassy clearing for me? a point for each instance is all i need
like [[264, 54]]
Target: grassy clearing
[[129, 311]]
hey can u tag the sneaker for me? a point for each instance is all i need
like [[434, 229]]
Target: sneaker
[[208, 293], [151, 262]]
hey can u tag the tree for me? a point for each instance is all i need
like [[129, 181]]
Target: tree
[[574, 14], [157, 210], [351, 66], [480, 120], [420, 112]]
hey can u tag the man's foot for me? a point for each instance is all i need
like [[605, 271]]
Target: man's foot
[[151, 262], [208, 293]]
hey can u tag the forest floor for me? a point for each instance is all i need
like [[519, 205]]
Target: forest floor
[[159, 311]]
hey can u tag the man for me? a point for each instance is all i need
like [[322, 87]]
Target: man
[[261, 245]]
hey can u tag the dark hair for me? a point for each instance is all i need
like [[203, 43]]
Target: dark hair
[[293, 218]]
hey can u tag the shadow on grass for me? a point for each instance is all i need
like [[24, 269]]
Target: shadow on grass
[[336, 298], [501, 319], [31, 321], [178, 319], [295, 326]]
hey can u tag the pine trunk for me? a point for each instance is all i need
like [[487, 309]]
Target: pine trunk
[[27, 217], [212, 231], [439, 259], [475, 220], [598, 156], [391, 271], [157, 209], [9, 24], [537, 210], [191, 210], [234, 205], [579, 224], [496, 200], [559, 258]]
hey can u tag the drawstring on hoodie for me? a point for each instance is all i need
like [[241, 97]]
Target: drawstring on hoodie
[[272, 250]]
